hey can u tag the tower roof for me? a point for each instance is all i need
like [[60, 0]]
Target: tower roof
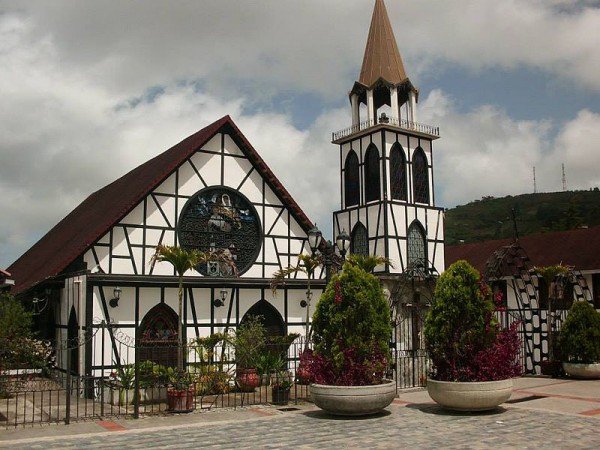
[[382, 58]]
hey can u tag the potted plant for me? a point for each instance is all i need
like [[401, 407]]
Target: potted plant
[[249, 342], [180, 394], [280, 388], [473, 359], [153, 382], [267, 364], [580, 341], [121, 387], [351, 331]]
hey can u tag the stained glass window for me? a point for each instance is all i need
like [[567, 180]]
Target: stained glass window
[[416, 250], [372, 179], [221, 218], [398, 173], [420, 177], [360, 240], [351, 178]]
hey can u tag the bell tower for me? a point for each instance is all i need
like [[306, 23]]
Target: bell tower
[[386, 163]]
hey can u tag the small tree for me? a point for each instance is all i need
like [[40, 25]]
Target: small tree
[[351, 330], [462, 336], [580, 334]]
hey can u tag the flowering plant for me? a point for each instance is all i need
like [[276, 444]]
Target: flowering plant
[[351, 331], [463, 337]]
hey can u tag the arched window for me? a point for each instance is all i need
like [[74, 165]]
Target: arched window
[[158, 336], [420, 177], [372, 178], [360, 240], [416, 248], [398, 173], [351, 186], [269, 317]]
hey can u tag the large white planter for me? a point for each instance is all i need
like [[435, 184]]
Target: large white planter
[[353, 400], [474, 396], [584, 371]]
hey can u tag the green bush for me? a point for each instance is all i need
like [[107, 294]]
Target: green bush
[[352, 329], [580, 334], [15, 321], [462, 336]]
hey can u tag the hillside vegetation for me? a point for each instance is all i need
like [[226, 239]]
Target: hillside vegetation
[[491, 218]]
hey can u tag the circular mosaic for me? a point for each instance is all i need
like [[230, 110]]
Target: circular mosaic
[[221, 218]]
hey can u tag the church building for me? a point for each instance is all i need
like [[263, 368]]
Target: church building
[[214, 191]]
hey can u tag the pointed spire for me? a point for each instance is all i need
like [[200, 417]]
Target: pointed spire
[[382, 58]]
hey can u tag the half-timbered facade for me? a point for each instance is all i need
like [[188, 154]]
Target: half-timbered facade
[[386, 163], [211, 191]]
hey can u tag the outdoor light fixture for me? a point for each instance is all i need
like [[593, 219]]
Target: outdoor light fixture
[[114, 302], [314, 238], [39, 304], [304, 303], [218, 302], [343, 242]]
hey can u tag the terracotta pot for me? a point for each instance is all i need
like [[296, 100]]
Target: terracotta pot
[[247, 379], [180, 401], [470, 396], [353, 400]]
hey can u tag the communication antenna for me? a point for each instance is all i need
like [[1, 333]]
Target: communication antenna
[[564, 178], [534, 182]]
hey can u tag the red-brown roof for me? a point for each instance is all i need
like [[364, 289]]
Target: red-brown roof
[[579, 248], [94, 217]]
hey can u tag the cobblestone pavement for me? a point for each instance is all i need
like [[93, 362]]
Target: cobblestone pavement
[[400, 426]]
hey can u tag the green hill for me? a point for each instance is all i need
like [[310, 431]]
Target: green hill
[[491, 218]]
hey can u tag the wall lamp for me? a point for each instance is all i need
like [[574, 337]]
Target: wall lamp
[[218, 302], [114, 302]]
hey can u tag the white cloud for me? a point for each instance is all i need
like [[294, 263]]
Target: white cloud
[[310, 45], [486, 152], [76, 78]]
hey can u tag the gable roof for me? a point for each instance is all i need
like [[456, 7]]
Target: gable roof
[[103, 209], [579, 248], [382, 58]]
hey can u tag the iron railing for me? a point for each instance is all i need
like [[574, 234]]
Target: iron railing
[[130, 387], [394, 121]]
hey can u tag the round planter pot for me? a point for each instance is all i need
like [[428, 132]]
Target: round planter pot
[[475, 396], [353, 400], [584, 371]]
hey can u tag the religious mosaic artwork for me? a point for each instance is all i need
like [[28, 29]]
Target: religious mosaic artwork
[[220, 218]]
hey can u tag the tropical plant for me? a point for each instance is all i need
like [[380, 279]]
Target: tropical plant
[[463, 338], [351, 331], [307, 264], [556, 279], [368, 263], [152, 375], [249, 341], [124, 376], [579, 338], [183, 260]]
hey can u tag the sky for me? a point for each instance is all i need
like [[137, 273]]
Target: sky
[[91, 89]]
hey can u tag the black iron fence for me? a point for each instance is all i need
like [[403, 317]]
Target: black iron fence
[[129, 386]]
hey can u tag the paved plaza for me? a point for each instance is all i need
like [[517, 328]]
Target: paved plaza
[[542, 413]]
